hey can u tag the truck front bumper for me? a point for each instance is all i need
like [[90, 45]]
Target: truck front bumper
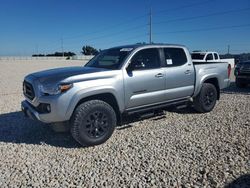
[[34, 113], [29, 111]]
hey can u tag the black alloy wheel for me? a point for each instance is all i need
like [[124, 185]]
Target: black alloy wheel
[[206, 99], [93, 122], [96, 124]]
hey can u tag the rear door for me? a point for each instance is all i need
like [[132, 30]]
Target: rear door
[[180, 75], [145, 82]]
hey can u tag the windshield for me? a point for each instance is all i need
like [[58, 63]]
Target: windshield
[[110, 59], [198, 56]]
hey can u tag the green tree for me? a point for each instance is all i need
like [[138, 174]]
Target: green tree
[[89, 50]]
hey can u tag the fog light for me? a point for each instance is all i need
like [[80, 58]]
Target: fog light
[[44, 108]]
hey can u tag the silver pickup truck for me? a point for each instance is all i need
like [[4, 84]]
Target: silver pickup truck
[[93, 99]]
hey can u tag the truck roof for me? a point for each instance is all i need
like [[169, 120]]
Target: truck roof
[[203, 52], [149, 45]]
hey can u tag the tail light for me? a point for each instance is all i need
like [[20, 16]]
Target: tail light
[[229, 71]]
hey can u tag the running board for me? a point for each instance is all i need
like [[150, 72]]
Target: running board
[[155, 107]]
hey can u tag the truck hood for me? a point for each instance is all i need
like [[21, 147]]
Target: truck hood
[[63, 74]]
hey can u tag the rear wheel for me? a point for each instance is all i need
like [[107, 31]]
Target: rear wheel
[[93, 122], [206, 99]]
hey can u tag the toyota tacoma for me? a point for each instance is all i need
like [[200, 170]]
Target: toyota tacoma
[[120, 81]]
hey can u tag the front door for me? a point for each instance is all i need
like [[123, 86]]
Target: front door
[[144, 79]]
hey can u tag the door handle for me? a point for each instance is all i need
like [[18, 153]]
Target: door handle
[[159, 75], [187, 72]]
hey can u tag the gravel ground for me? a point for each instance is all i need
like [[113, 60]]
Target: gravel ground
[[179, 149]]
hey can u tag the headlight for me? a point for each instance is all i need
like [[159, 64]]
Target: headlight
[[54, 90]]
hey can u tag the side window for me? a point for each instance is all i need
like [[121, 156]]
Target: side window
[[175, 57], [216, 56], [209, 57], [146, 59]]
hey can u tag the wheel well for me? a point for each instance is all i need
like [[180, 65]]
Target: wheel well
[[108, 98], [215, 82]]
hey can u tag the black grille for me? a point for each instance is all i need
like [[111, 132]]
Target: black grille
[[28, 90]]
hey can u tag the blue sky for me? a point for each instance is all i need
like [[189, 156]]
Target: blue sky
[[31, 26]]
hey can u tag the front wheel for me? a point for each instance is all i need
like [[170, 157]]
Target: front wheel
[[206, 99], [93, 122]]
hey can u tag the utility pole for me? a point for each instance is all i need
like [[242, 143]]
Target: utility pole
[[62, 46], [150, 26], [228, 49]]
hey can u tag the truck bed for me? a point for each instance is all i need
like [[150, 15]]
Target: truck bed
[[217, 70]]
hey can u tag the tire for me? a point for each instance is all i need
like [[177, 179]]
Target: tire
[[93, 122], [206, 99], [240, 84]]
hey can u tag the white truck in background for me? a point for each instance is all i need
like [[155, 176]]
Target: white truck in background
[[201, 56]]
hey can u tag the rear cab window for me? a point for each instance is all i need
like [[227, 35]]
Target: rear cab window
[[216, 57], [174, 57]]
